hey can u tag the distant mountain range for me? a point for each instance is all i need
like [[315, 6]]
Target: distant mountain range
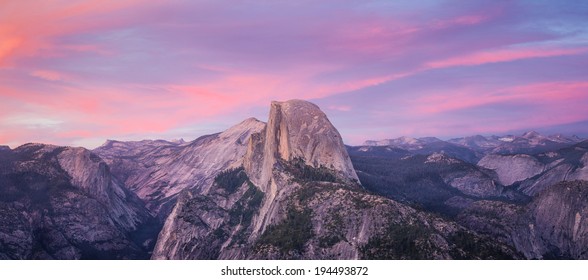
[[290, 189], [473, 148]]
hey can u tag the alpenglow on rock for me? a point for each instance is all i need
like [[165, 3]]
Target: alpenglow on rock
[[297, 197], [297, 129], [157, 171]]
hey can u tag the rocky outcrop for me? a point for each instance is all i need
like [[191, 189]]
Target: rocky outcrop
[[464, 177], [562, 165], [581, 172], [63, 203], [157, 171], [313, 220], [297, 197], [473, 183], [551, 177], [296, 130], [512, 168], [557, 222], [299, 130], [552, 226]]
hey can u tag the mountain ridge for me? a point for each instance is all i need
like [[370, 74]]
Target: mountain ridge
[[63, 203], [291, 189], [529, 142], [286, 203]]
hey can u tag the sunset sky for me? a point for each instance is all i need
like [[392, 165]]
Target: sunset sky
[[80, 72]]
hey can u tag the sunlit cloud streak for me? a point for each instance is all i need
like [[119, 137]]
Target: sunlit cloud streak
[[81, 72]]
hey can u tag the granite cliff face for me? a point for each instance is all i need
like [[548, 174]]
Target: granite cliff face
[[288, 189], [531, 174], [63, 203], [297, 197], [298, 130], [552, 226], [157, 171], [562, 165], [557, 221], [512, 168]]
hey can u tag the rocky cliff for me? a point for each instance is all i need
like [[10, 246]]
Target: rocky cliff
[[297, 130], [512, 168], [288, 190], [297, 197], [557, 222], [63, 203], [157, 171], [552, 226], [562, 165]]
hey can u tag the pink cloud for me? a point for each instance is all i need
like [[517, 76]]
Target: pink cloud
[[540, 105], [24, 34], [562, 93], [386, 37], [460, 20], [467, 60], [327, 89], [112, 68], [50, 75], [503, 55], [8, 45]]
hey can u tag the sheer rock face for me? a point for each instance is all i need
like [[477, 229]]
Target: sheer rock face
[[313, 220], [63, 203], [512, 168], [557, 221], [297, 197], [553, 176], [552, 226], [581, 172], [563, 165], [297, 129], [157, 171]]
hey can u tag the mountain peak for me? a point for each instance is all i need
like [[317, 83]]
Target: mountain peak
[[250, 121], [297, 129], [297, 109], [242, 130], [295, 102], [403, 142], [178, 141], [531, 134]]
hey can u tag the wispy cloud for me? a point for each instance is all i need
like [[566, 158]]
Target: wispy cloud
[[133, 69], [503, 55]]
